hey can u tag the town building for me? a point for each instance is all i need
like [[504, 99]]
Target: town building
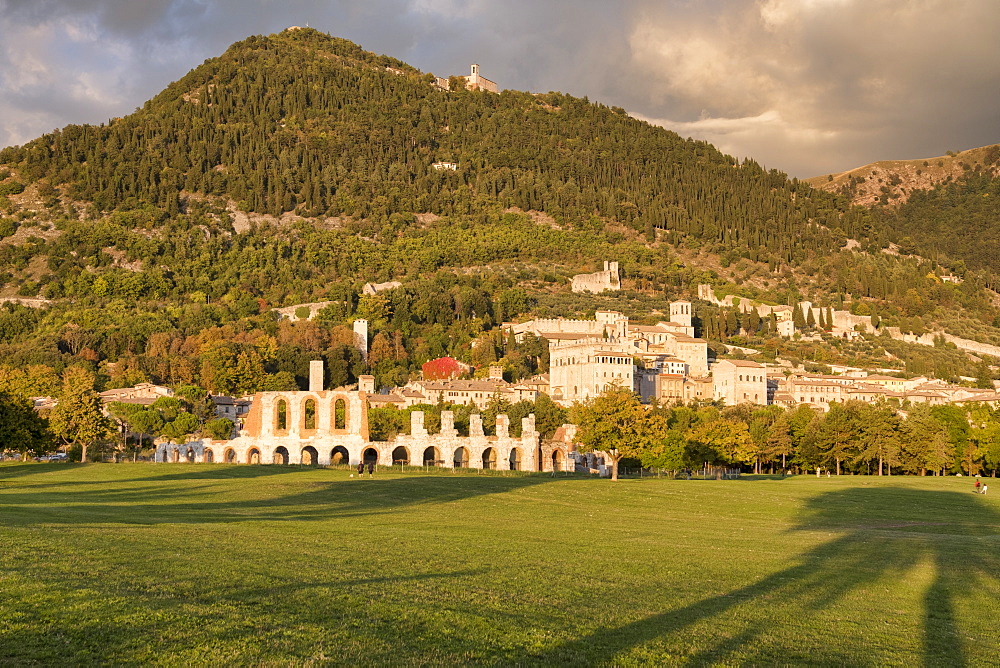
[[584, 368], [740, 381]]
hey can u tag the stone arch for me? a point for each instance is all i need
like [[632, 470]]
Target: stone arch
[[209, 456], [490, 458], [189, 454], [369, 456], [175, 455], [431, 455], [340, 414], [558, 460], [516, 459], [229, 456], [400, 455], [340, 455], [281, 416], [281, 455], [309, 456], [461, 458], [253, 456], [309, 415]]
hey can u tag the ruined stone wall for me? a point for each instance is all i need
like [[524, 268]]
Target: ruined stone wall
[[599, 281], [325, 446], [960, 343]]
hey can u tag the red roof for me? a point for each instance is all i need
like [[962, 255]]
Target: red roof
[[443, 368]]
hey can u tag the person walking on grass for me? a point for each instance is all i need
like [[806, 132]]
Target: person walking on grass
[[985, 487], [977, 485], [361, 469], [371, 469]]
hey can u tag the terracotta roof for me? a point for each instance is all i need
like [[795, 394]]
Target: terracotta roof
[[385, 399], [746, 363]]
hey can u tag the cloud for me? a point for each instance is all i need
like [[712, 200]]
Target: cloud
[[806, 86], [812, 86]]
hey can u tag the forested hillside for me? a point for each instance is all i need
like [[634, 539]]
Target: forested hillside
[[296, 167], [957, 222]]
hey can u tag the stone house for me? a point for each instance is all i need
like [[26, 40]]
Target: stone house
[[740, 381]]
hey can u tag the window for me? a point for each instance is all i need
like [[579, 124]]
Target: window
[[340, 414], [282, 415], [309, 417]]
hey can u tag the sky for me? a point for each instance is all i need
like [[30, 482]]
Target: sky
[[808, 87]]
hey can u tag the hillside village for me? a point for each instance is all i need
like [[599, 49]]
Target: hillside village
[[663, 363]]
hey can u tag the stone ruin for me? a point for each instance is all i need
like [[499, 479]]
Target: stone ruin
[[599, 281], [330, 427]]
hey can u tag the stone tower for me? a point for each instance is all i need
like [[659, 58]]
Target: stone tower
[[361, 337], [316, 376], [680, 312], [366, 383]]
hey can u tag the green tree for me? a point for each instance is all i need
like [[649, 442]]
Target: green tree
[[879, 437], [22, 430], [178, 429], [779, 440], [219, 429], [837, 432], [924, 441], [617, 420], [77, 418], [724, 440]]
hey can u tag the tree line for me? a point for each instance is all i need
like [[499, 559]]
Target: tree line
[[851, 438]]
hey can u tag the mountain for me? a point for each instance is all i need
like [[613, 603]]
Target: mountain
[[301, 122], [297, 167], [894, 181], [945, 208]]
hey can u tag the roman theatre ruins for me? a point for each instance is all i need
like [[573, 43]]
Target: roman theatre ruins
[[329, 427]]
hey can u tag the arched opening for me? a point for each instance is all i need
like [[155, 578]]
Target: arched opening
[[309, 456], [175, 455], [189, 455], [558, 460], [340, 414], [369, 456], [253, 457], [431, 456], [461, 458], [515, 459], [281, 415], [489, 458], [309, 415], [339, 455], [281, 455], [400, 455], [209, 456], [229, 456]]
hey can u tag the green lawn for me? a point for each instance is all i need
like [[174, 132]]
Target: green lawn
[[192, 564]]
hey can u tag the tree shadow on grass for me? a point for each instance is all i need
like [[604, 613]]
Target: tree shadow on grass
[[130, 502], [190, 472], [883, 534], [182, 628]]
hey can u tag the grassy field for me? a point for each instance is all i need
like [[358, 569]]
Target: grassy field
[[191, 564]]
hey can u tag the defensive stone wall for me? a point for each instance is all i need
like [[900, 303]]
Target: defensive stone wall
[[558, 325], [599, 281], [962, 344]]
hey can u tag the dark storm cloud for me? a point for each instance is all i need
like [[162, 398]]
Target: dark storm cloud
[[807, 86]]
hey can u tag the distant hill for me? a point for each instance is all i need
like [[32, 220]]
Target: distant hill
[[893, 181]]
